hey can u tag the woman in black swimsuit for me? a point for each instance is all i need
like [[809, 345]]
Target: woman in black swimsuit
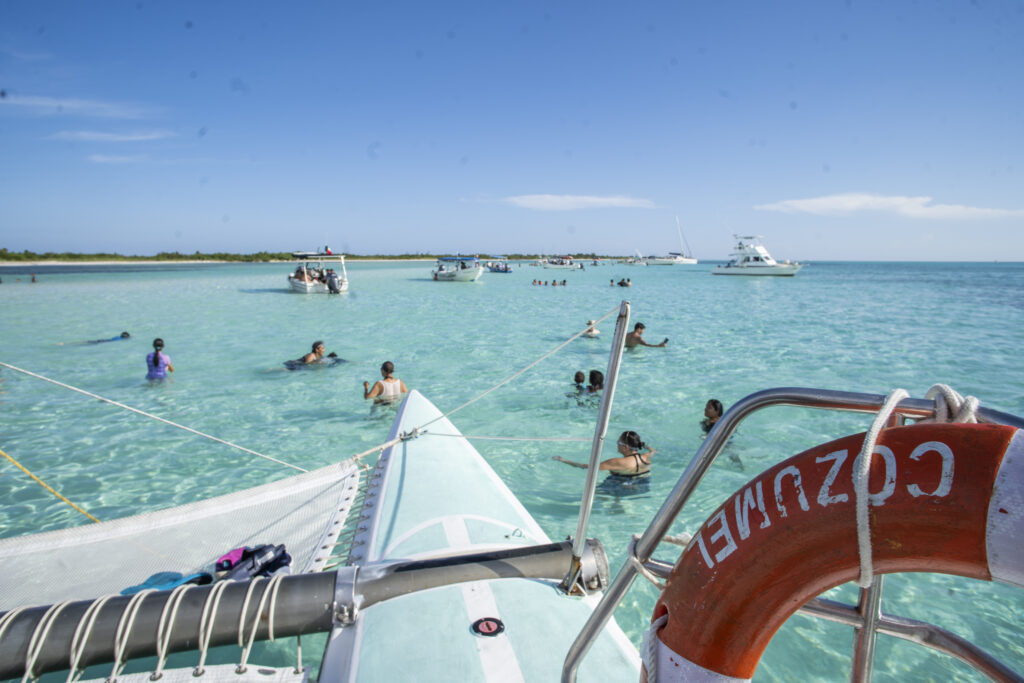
[[634, 460]]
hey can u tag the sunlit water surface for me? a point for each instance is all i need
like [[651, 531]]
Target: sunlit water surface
[[857, 327]]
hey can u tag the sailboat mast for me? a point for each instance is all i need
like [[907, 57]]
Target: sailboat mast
[[683, 247]]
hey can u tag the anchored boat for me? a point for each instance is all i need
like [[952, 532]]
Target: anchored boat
[[458, 269], [751, 258], [683, 257], [560, 263], [499, 264], [318, 273]]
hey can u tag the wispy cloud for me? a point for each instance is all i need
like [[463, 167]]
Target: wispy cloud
[[114, 159], [567, 202], [41, 105], [96, 136], [24, 56], [910, 207]]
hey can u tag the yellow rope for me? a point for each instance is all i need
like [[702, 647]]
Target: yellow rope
[[47, 487]]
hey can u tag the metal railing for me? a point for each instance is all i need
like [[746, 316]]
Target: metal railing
[[865, 617], [301, 604]]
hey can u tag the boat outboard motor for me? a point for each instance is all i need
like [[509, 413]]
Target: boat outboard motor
[[333, 283]]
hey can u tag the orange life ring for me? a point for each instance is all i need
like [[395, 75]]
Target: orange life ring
[[943, 498]]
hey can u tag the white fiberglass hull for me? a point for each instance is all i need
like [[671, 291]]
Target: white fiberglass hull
[[460, 275], [781, 269], [436, 496], [297, 285], [683, 261]]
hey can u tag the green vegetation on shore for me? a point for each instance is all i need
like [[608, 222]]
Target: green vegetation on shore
[[258, 257]]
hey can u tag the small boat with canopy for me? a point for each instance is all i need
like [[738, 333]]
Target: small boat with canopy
[[458, 269], [318, 273]]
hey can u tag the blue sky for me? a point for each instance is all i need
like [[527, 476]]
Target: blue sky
[[837, 130]]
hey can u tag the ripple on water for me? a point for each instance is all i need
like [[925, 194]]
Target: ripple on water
[[855, 327]]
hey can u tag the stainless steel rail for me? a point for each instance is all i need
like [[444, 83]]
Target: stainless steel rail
[[702, 460], [590, 487], [306, 603]]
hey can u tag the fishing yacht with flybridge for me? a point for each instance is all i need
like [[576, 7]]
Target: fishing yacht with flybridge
[[427, 568], [751, 258]]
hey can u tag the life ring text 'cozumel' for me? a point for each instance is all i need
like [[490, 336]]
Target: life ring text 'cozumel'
[[942, 498]]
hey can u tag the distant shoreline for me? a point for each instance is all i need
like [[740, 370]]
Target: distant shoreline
[[147, 262]]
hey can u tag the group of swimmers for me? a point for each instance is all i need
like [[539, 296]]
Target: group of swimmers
[[554, 283], [622, 283], [387, 389], [596, 382]]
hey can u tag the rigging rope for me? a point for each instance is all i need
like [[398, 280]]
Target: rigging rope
[[511, 377], [47, 486], [154, 417], [358, 456], [422, 428]]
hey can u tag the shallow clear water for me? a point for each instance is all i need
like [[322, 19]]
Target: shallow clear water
[[857, 327]]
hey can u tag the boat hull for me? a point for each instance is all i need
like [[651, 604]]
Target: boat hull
[[779, 270], [672, 261], [437, 496], [297, 285], [460, 275]]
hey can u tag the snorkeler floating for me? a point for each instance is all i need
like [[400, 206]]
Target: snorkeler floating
[[123, 335], [315, 358]]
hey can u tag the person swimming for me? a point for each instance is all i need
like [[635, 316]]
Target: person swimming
[[123, 335], [578, 379], [591, 331], [712, 412], [315, 358]]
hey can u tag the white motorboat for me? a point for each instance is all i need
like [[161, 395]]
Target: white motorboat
[[458, 269], [751, 258], [318, 273], [499, 264], [683, 257], [561, 262]]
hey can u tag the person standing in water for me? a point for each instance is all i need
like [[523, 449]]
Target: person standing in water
[[158, 364], [636, 338], [388, 388], [634, 458]]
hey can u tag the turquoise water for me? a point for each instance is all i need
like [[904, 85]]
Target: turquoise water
[[848, 326]]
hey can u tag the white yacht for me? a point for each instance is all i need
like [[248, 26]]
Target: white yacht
[[683, 257], [751, 258]]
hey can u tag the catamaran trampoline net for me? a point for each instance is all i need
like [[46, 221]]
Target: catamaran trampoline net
[[304, 512]]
